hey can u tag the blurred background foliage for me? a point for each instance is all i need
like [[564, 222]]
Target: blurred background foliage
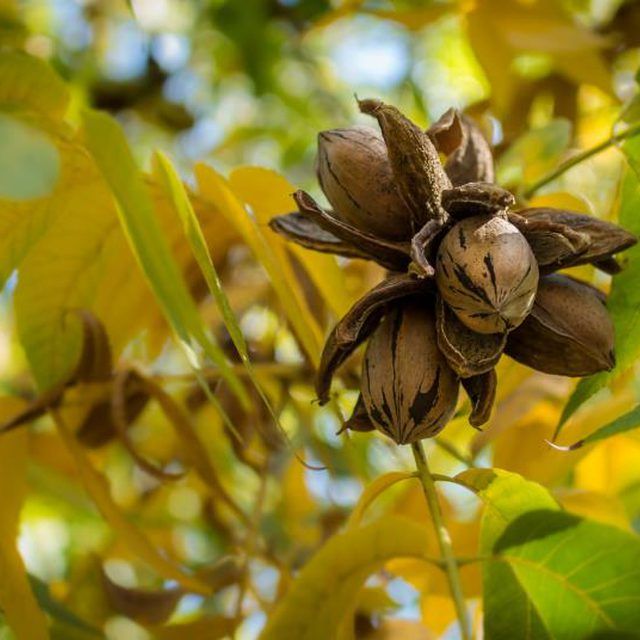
[[251, 82]]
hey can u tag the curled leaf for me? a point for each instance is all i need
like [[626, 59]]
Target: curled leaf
[[98, 427], [120, 414], [93, 365], [95, 362], [359, 322], [142, 605]]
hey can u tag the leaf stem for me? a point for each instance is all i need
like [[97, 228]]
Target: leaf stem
[[581, 157], [444, 539]]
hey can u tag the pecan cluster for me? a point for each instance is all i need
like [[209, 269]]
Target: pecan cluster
[[469, 278]]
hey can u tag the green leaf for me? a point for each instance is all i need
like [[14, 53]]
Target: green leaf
[[551, 575], [109, 148], [505, 496], [578, 577], [29, 161], [173, 185], [624, 300]]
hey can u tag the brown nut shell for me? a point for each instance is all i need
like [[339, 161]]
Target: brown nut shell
[[487, 273], [354, 173], [409, 390], [568, 332]]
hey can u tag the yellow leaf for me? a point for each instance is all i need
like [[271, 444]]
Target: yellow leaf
[[71, 253], [522, 446], [372, 491], [17, 601], [269, 194], [595, 506], [561, 200], [438, 613], [97, 487], [500, 30], [216, 189], [297, 509], [327, 588], [610, 467], [108, 146], [211, 628], [31, 84], [414, 19]]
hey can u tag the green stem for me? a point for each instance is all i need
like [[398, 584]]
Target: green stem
[[444, 539], [581, 157]]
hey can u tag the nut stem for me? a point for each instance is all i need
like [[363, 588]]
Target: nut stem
[[444, 539]]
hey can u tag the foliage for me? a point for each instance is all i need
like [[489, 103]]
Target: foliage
[[165, 471]]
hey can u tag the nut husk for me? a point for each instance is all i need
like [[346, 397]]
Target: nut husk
[[409, 390], [568, 332], [354, 173], [604, 238], [414, 160], [467, 352], [487, 273], [481, 390], [469, 154]]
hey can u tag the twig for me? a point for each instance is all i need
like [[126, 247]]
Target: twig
[[581, 157], [444, 540]]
